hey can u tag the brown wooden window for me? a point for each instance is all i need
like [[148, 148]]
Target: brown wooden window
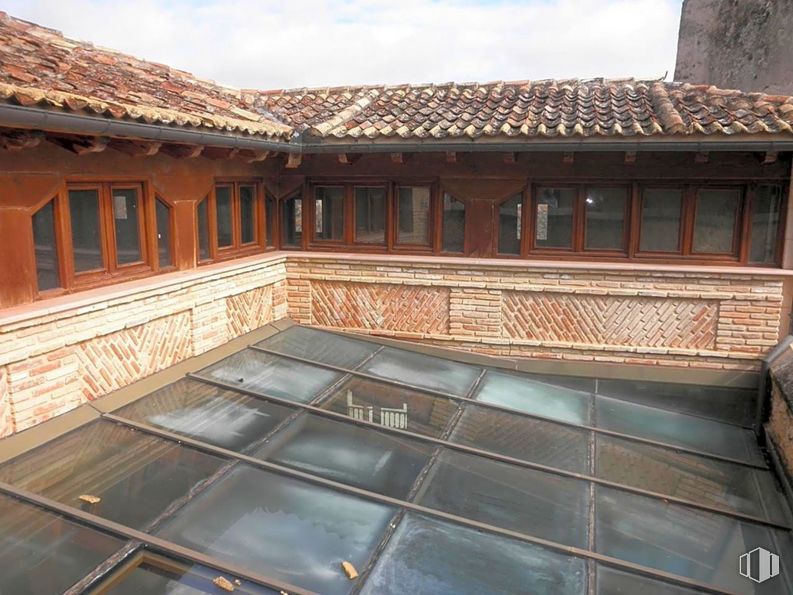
[[46, 245], [453, 224], [270, 210], [716, 217], [766, 215], [510, 225], [230, 221], [414, 215], [202, 222], [164, 215], [605, 218], [661, 220], [292, 222], [554, 218], [370, 214], [329, 213]]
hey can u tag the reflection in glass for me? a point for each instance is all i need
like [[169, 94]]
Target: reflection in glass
[[288, 529], [203, 230], [47, 274], [370, 208], [413, 215], [272, 375], [434, 557], [453, 224], [534, 397], [320, 346], [221, 417], [163, 234], [86, 235], [525, 500], [509, 225], [766, 214], [248, 214], [126, 215], [270, 209], [223, 215], [605, 218], [714, 220], [135, 475], [41, 552], [292, 223], [329, 213], [660, 225], [553, 226]]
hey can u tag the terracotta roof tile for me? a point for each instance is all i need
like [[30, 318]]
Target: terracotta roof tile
[[39, 66]]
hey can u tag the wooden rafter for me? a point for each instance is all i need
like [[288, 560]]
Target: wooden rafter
[[293, 160], [770, 157], [81, 145], [19, 140], [182, 151], [249, 156], [136, 148], [349, 158]]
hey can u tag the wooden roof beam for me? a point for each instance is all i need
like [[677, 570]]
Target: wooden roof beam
[[136, 148], [19, 140], [255, 156], [293, 160], [348, 158], [82, 145], [183, 151], [770, 157]]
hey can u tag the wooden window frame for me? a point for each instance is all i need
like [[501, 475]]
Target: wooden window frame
[[275, 224], [738, 225], [280, 203], [237, 249], [59, 213], [439, 222], [524, 217], [432, 228], [576, 241], [626, 220], [171, 232]]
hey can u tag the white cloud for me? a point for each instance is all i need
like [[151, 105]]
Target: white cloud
[[272, 44]]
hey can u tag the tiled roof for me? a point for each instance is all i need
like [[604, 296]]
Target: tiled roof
[[40, 67], [530, 109]]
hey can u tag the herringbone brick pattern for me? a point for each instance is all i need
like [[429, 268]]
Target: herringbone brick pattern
[[115, 360], [249, 310], [609, 320], [380, 306]]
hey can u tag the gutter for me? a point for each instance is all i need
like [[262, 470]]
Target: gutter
[[17, 116]]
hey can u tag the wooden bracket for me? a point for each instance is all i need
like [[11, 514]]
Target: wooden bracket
[[770, 157], [701, 157], [568, 157], [293, 160], [182, 151], [136, 148], [451, 157], [349, 158], [82, 145], [630, 156]]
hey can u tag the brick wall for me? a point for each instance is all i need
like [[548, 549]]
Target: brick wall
[[57, 354]]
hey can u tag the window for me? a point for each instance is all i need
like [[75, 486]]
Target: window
[[292, 223], [413, 215], [510, 225], [553, 226], [605, 218], [661, 217], [164, 256], [370, 215], [224, 217], [765, 218], [230, 221], [202, 215], [329, 213], [453, 224], [715, 220], [247, 214], [45, 242], [270, 209], [86, 230], [127, 215]]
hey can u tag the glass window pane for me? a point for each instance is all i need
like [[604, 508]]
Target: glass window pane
[[509, 225], [126, 215], [392, 406], [370, 215], [534, 397], [433, 557], [525, 438], [224, 217], [453, 224], [660, 226], [350, 454], [205, 412], [292, 223], [41, 552], [319, 346], [605, 218], [611, 581], [160, 575], [329, 213], [47, 274], [413, 213], [714, 220], [284, 528], [270, 208], [553, 226], [678, 429], [707, 481], [681, 540], [272, 375], [203, 230], [525, 500], [86, 235], [766, 215], [248, 214], [423, 371], [163, 234], [137, 476]]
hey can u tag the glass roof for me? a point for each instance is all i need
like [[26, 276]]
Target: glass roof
[[312, 462]]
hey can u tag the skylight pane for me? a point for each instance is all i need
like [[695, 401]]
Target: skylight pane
[[611, 581], [271, 375], [284, 528], [423, 371], [350, 454], [318, 346], [433, 557], [702, 480], [392, 406], [135, 476], [678, 429], [534, 397], [521, 437], [684, 541], [221, 417], [41, 552], [508, 496]]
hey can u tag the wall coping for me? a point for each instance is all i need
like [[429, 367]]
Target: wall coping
[[91, 297]]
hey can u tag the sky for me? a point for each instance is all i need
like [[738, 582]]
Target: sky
[[265, 44]]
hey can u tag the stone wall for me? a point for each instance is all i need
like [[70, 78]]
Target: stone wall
[[59, 353]]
